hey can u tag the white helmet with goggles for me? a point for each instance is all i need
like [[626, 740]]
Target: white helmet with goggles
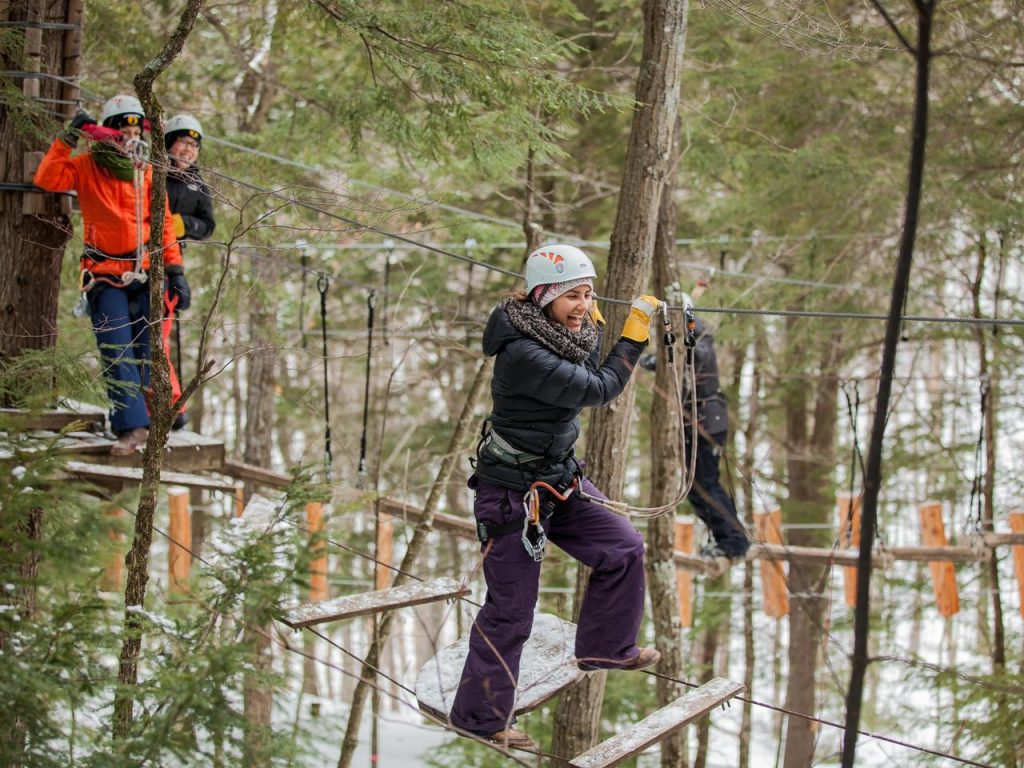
[[557, 264], [122, 110]]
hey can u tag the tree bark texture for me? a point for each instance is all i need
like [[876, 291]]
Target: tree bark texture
[[648, 163], [461, 437], [900, 284], [261, 388], [666, 476], [811, 418], [162, 414], [34, 227]]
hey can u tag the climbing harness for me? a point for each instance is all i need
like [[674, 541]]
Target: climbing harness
[[535, 511]]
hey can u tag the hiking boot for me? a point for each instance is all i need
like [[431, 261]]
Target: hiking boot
[[647, 657], [180, 421], [730, 551], [129, 442], [510, 738]]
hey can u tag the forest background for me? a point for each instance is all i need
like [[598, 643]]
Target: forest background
[[339, 132]]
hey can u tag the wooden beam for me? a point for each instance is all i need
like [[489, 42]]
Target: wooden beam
[[684, 577], [658, 725], [179, 549], [113, 574], [1015, 539], [768, 529], [103, 474], [351, 606], [254, 474], [55, 420], [1017, 524], [318, 589], [933, 534], [849, 536]]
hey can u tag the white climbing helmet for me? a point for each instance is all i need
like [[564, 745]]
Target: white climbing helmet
[[122, 105], [557, 264], [183, 124]]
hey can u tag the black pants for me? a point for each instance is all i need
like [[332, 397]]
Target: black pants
[[710, 500]]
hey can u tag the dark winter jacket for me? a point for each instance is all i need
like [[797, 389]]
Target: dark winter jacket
[[711, 405], [538, 396], [189, 197]]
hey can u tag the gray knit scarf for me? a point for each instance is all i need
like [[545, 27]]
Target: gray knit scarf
[[530, 320]]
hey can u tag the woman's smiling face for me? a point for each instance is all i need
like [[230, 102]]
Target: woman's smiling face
[[572, 307]]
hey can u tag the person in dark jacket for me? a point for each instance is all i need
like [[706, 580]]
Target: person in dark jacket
[[547, 369], [713, 504], [187, 193], [191, 213]]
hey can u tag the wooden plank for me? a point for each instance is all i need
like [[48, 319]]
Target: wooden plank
[[773, 579], [1015, 539], [113, 574], [365, 603], [55, 420], [933, 534], [547, 666], [318, 565], [104, 474], [179, 549], [939, 554], [385, 551], [684, 578], [658, 725], [1017, 525], [254, 474], [848, 508]]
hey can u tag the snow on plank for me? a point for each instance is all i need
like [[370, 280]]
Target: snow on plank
[[658, 725], [548, 665], [350, 606], [105, 474]]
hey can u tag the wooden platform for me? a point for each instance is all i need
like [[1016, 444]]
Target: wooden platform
[[54, 420], [117, 477], [548, 665], [350, 606], [658, 725]]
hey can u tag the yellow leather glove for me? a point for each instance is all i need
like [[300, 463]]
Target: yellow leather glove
[[595, 314], [178, 224], [638, 324]]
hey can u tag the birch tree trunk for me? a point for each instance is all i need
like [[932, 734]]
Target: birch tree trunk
[[629, 266]]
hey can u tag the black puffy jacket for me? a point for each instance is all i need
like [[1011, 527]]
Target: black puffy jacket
[[188, 196], [538, 396]]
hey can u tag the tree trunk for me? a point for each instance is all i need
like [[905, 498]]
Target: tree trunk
[[629, 265], [810, 468], [666, 476], [162, 414], [259, 419], [900, 285]]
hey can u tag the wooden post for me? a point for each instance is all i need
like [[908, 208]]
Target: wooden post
[[318, 565], [684, 577], [849, 538], [773, 578], [1017, 526], [113, 574], [385, 551], [179, 549], [933, 534], [239, 499]]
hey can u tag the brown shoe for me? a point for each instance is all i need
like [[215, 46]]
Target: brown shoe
[[647, 657], [130, 442], [510, 738]]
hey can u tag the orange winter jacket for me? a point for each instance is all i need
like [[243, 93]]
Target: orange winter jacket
[[108, 209]]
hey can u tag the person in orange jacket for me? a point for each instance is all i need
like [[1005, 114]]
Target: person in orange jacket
[[113, 182]]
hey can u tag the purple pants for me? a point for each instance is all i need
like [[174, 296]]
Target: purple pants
[[609, 618]]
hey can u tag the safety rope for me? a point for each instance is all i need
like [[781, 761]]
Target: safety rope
[[322, 284], [304, 257], [371, 300]]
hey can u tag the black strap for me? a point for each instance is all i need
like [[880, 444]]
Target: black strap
[[485, 531], [322, 285]]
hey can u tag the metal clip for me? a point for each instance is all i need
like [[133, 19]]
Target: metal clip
[[533, 542]]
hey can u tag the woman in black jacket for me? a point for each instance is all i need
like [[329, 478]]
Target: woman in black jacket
[[547, 369], [191, 214]]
